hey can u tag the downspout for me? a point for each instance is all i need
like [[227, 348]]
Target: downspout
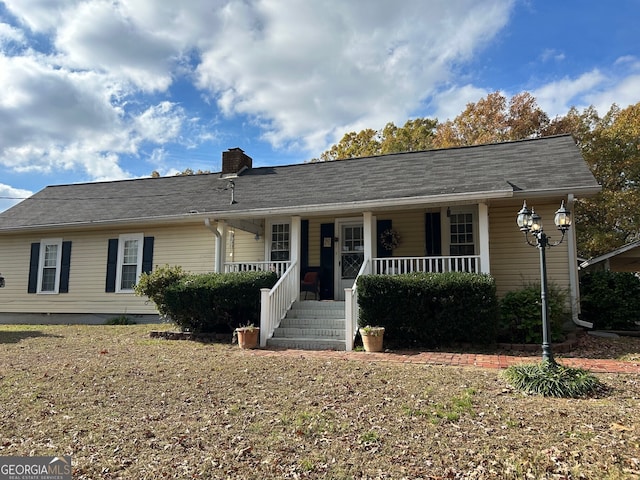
[[574, 286], [214, 230]]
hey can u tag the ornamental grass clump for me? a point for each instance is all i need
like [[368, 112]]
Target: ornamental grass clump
[[552, 380]]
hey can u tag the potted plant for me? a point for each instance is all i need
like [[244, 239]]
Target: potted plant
[[248, 336], [372, 338]]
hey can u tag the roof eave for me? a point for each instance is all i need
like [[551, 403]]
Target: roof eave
[[587, 191]]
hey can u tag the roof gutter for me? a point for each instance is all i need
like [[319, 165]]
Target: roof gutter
[[576, 192], [358, 206]]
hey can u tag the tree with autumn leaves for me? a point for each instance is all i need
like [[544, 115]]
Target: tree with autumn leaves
[[610, 144]]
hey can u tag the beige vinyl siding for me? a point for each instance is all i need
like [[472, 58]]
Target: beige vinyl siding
[[513, 262], [315, 242], [191, 246], [243, 247], [410, 227]]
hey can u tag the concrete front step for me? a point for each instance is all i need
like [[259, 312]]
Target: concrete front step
[[311, 325], [307, 343], [316, 309], [328, 333], [288, 322]]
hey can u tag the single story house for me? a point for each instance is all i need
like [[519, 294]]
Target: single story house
[[79, 249], [623, 259]]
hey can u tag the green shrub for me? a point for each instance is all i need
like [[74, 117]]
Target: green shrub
[[551, 380], [217, 302], [521, 314], [154, 285], [430, 309], [610, 300], [120, 320]]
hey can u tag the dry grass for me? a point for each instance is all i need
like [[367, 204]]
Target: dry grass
[[125, 406]]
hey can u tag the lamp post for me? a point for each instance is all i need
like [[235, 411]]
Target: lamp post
[[530, 222]]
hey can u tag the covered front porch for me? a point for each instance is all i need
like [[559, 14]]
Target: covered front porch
[[340, 249]]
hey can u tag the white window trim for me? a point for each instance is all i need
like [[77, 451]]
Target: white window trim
[[269, 235], [43, 243], [446, 233], [121, 242]]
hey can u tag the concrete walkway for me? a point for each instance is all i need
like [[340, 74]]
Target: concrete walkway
[[457, 359]]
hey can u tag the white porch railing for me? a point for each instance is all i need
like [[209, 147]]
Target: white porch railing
[[279, 267], [395, 265], [275, 303], [351, 308]]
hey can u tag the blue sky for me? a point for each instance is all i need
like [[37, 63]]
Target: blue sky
[[98, 90]]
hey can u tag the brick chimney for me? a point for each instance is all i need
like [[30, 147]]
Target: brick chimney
[[234, 161]]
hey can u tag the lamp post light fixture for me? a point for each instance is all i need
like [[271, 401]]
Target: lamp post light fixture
[[530, 224]]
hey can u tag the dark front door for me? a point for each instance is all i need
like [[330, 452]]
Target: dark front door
[[327, 234]]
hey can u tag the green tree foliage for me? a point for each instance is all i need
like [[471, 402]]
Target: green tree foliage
[[611, 146], [415, 135], [492, 120]]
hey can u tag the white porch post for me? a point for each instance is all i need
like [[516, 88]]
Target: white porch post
[[483, 231], [294, 246], [221, 246], [265, 308], [368, 231]]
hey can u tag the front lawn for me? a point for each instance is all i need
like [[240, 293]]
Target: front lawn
[[125, 406]]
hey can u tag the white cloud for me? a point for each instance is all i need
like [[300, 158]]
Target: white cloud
[[552, 55], [303, 72], [555, 98], [9, 33], [54, 118], [629, 61], [622, 92], [9, 196], [311, 70], [449, 103]]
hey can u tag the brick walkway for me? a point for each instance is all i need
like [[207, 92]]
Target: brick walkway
[[457, 359]]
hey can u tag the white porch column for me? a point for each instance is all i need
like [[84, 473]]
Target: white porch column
[[483, 231], [369, 232], [221, 246]]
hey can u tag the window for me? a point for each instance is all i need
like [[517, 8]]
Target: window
[[49, 265], [127, 257], [279, 242], [129, 261], [461, 240], [352, 250]]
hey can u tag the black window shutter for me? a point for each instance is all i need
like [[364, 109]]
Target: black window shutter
[[433, 231], [33, 268], [112, 265], [65, 267], [147, 255], [381, 227]]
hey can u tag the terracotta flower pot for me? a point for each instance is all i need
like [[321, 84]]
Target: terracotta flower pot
[[372, 338], [248, 337]]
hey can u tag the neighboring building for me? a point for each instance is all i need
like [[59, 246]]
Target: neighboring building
[[79, 249], [623, 259]]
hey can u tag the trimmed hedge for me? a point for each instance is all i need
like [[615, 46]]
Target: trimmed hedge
[[521, 314], [211, 302], [430, 309], [611, 300]]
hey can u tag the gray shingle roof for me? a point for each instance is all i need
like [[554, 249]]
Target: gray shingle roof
[[552, 164]]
